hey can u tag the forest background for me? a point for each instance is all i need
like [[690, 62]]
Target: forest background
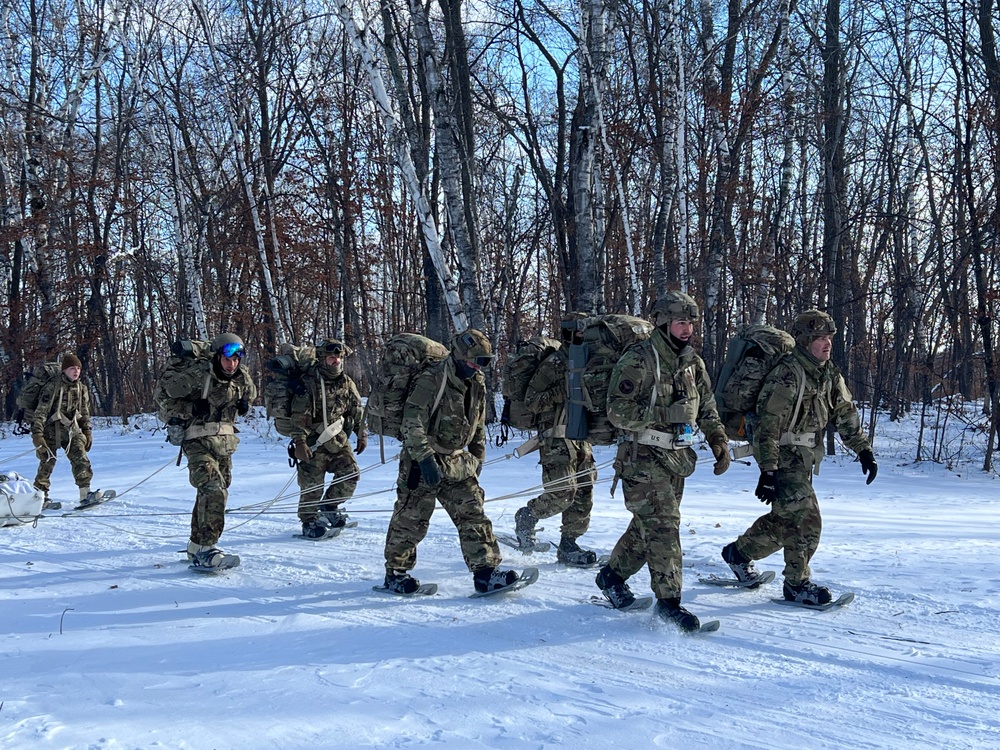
[[291, 170]]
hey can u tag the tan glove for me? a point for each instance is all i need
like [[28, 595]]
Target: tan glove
[[38, 440], [302, 451], [88, 440], [720, 448], [362, 443]]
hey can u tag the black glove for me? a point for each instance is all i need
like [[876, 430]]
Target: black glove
[[413, 478], [200, 408], [242, 406], [767, 486], [298, 387], [429, 471], [868, 465]]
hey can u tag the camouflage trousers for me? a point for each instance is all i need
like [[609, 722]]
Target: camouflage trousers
[[210, 471], [568, 475], [312, 475], [653, 536], [75, 452], [411, 517], [793, 524]]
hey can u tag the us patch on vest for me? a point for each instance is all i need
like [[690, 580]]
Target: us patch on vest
[[626, 386]]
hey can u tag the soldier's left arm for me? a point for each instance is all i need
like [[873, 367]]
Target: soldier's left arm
[[845, 415], [477, 446], [708, 413], [83, 410], [356, 411]]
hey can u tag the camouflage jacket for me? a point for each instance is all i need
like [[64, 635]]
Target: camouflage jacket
[[177, 392], [459, 422], [62, 402], [683, 392], [546, 391], [342, 400], [825, 397]]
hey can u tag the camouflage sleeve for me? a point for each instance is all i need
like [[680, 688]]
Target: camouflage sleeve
[[477, 446], [83, 417], [845, 415], [547, 387], [356, 411], [774, 408], [175, 393], [45, 400], [628, 399], [708, 414], [417, 413]]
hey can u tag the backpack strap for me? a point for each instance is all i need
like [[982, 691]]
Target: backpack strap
[[789, 437]]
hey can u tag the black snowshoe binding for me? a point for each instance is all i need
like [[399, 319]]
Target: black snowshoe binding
[[670, 610], [742, 567], [336, 518], [614, 588], [807, 593], [570, 553], [401, 583], [493, 579], [318, 528]]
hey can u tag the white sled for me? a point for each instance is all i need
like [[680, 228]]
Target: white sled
[[20, 503]]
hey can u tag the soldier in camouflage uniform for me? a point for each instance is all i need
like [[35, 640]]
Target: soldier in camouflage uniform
[[800, 396], [444, 447], [658, 392], [568, 471], [62, 420], [204, 402], [323, 417]]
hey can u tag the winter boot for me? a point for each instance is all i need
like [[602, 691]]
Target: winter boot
[[209, 556], [492, 579], [570, 553], [336, 518], [614, 588], [315, 529], [90, 498], [670, 610], [401, 582], [741, 566], [524, 527], [807, 593]]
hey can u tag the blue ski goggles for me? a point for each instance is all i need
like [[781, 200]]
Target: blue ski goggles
[[232, 349]]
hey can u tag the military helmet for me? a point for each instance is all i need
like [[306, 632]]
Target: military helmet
[[334, 347], [228, 345], [812, 324], [674, 305], [472, 346]]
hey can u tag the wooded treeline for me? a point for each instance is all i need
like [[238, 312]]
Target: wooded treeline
[[288, 170]]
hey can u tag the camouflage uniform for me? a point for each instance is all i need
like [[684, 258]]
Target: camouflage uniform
[[794, 521], [568, 471], [335, 456], [653, 476], [455, 435], [209, 441], [62, 420]]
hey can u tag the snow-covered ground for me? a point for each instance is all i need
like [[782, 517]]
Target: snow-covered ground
[[108, 641]]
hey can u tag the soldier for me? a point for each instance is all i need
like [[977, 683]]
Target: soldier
[[799, 397], [443, 451], [568, 471], [206, 400], [62, 420], [324, 415], [658, 392]]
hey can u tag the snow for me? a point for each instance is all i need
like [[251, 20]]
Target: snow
[[108, 641]]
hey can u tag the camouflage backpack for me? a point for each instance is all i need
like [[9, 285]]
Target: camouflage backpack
[[190, 363], [403, 357], [287, 370], [517, 373], [752, 354], [605, 339], [27, 399]]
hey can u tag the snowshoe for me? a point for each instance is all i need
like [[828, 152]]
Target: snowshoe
[[210, 559], [403, 584], [317, 530], [807, 593], [95, 498], [570, 553], [512, 541], [742, 567], [670, 610], [638, 603], [614, 588], [490, 581]]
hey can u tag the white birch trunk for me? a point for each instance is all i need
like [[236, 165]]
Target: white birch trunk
[[422, 205]]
